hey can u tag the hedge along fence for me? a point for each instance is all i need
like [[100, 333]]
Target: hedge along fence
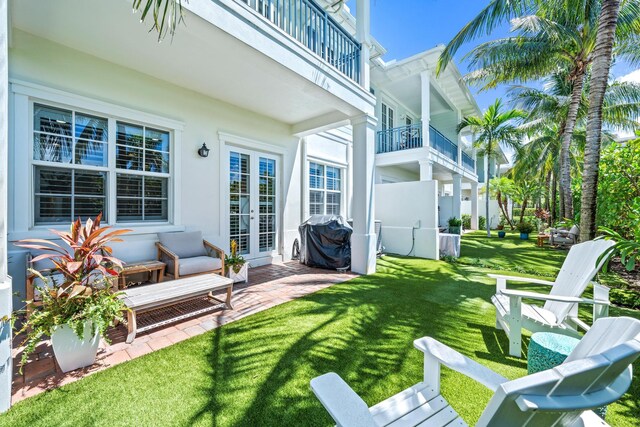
[[466, 222]]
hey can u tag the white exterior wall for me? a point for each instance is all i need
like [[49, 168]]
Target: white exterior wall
[[200, 193], [6, 360], [391, 174], [401, 212], [494, 209], [328, 148]]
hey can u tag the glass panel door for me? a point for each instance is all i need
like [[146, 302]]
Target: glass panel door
[[267, 213], [240, 201], [253, 213]]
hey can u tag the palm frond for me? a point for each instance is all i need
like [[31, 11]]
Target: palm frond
[[493, 15]]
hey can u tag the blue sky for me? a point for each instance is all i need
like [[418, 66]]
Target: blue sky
[[407, 27]]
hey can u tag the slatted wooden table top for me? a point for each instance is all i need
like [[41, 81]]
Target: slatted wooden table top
[[141, 267], [151, 295]]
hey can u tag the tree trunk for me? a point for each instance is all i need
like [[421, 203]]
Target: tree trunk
[[547, 192], [599, 79], [567, 137], [486, 180], [503, 204], [524, 208], [562, 213], [554, 199]]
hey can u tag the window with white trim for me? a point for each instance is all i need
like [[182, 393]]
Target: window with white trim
[[325, 189], [73, 173]]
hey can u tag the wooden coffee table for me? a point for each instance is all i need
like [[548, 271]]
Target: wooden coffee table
[[154, 268]]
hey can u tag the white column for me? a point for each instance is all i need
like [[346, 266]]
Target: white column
[[363, 31], [349, 186], [426, 170], [474, 205], [363, 240], [460, 141], [304, 185], [457, 195], [6, 363], [425, 99]]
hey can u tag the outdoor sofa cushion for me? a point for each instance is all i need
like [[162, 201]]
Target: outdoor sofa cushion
[[184, 244], [574, 230], [199, 264]]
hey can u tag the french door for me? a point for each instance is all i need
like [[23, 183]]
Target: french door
[[253, 202]]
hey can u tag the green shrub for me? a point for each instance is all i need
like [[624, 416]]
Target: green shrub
[[454, 222], [482, 222], [525, 227], [466, 221]]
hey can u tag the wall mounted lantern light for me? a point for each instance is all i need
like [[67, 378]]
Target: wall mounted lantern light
[[203, 151]]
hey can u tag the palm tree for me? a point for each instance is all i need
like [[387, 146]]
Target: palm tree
[[550, 35], [166, 15], [601, 65], [495, 128], [548, 108], [501, 188]]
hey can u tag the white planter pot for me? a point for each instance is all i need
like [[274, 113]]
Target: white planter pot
[[240, 276], [72, 352]]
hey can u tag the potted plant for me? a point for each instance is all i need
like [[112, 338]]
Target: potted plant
[[237, 267], [525, 228], [500, 225], [454, 225], [79, 307]]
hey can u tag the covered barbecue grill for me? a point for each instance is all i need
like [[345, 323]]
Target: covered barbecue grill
[[325, 242]]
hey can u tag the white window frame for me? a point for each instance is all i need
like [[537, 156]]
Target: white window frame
[[23, 97], [309, 189]]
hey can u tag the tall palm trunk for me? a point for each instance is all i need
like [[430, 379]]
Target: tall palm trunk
[[562, 213], [554, 199], [567, 136], [599, 77], [547, 192], [486, 202]]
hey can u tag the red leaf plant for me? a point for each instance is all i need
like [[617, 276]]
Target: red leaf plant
[[83, 291]]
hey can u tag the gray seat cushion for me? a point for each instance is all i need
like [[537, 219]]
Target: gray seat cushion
[[575, 231], [185, 244], [199, 264]]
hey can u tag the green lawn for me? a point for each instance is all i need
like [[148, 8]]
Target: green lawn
[[256, 371]]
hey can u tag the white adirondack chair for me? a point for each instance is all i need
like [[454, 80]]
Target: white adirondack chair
[[560, 311], [596, 373]]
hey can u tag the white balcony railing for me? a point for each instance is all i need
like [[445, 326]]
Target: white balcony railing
[[311, 25]]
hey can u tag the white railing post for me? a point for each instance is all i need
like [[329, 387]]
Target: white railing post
[[6, 363]]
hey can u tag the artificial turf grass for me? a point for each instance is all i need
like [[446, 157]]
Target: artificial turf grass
[[256, 371]]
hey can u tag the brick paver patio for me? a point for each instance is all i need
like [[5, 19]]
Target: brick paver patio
[[268, 286]]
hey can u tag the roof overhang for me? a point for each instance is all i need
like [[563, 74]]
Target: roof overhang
[[450, 81]]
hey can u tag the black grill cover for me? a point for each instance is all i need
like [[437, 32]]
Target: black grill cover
[[325, 242]]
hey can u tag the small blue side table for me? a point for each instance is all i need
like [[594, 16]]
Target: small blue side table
[[548, 350]]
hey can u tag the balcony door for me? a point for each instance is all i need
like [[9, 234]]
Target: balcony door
[[253, 202], [387, 117]]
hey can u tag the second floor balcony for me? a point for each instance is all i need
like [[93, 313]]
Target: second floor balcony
[[311, 25], [410, 137]]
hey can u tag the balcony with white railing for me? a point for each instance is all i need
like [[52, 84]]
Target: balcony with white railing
[[409, 137], [311, 25], [400, 138]]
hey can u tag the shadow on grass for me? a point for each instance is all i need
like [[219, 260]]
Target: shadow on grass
[[363, 330], [256, 371]]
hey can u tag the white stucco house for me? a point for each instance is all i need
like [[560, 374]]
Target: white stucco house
[[294, 95], [292, 98]]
